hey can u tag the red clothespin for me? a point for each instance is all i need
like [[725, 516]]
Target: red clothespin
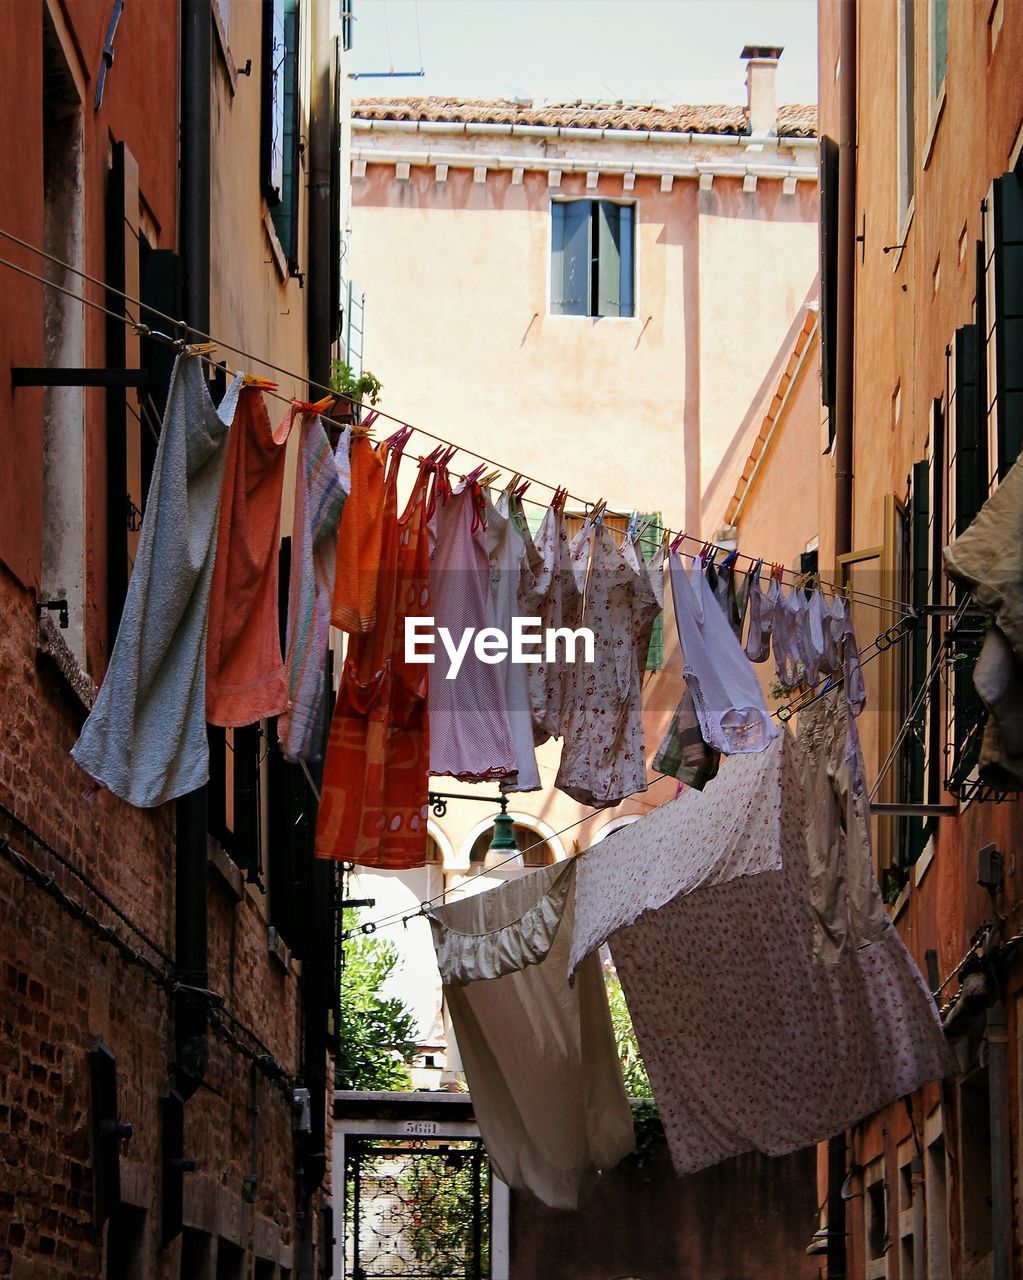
[[677, 541], [522, 489]]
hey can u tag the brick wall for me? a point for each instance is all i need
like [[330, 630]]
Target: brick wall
[[60, 987]]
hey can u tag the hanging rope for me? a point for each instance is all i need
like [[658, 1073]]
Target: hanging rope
[[866, 598]]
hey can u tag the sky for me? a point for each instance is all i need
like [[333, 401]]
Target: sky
[[632, 50]]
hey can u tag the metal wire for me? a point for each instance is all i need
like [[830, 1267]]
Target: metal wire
[[867, 598]]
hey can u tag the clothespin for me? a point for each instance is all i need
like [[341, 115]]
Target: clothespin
[[757, 566], [510, 486], [730, 559], [630, 528], [260, 383], [320, 406], [201, 349], [484, 482], [522, 489], [677, 541], [597, 512], [371, 417]]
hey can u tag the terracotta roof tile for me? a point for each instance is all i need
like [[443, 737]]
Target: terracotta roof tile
[[793, 121]]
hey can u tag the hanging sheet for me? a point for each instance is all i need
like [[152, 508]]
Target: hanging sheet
[[146, 737], [321, 485], [245, 680], [539, 1054], [751, 1039]]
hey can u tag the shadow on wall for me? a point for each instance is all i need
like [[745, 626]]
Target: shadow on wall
[[750, 1217]]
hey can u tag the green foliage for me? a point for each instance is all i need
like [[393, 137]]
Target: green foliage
[[441, 1206], [345, 381], [645, 1119], [637, 1082], [378, 1032]]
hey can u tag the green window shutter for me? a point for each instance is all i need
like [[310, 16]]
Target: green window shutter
[[285, 117], [609, 266], [1003, 239], [914, 835], [650, 542], [969, 460], [615, 256], [627, 259], [939, 44], [570, 257]]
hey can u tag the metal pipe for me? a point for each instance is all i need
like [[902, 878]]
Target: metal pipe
[[1001, 1174], [191, 937], [846, 290]]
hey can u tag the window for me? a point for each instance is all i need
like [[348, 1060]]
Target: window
[[535, 850], [280, 129], [1003, 322], [196, 1255], [907, 113], [939, 46], [876, 1221], [63, 549], [592, 258], [354, 326], [126, 1244], [938, 1261], [975, 1164], [907, 1243]]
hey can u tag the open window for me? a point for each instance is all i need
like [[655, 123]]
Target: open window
[[592, 258]]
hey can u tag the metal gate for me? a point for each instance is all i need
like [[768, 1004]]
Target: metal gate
[[416, 1209]]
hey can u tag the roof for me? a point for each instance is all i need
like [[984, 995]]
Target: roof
[[793, 121]]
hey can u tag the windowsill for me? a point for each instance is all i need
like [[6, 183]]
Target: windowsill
[[229, 875], [554, 315], [50, 642], [939, 112], [278, 949], [903, 238], [224, 49], [901, 901], [276, 248], [923, 862]]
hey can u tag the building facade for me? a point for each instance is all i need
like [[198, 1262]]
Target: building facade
[[920, 235], [605, 296], [165, 1007]]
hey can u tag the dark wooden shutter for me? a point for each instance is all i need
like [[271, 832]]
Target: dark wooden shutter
[[829, 272], [273, 116], [914, 756], [247, 845], [1003, 298], [967, 438]]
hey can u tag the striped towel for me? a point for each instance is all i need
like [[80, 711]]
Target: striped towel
[[321, 487]]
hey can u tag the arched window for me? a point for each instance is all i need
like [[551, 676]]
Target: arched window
[[535, 850]]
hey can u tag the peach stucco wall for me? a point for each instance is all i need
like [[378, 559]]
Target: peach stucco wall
[[456, 276]]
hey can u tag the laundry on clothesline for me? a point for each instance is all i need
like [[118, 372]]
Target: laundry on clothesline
[[461, 554]]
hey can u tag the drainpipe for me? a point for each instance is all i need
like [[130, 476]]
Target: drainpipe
[[191, 941], [845, 319], [316, 961], [1001, 1178]]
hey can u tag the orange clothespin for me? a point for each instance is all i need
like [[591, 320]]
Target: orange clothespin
[[260, 383], [200, 348]]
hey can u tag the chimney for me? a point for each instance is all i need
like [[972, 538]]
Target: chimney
[[761, 88]]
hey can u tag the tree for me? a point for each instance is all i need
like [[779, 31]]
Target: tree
[[637, 1082], [378, 1032]]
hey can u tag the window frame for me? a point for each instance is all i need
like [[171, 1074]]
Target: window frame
[[588, 314]]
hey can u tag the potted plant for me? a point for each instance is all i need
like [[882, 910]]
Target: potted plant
[[355, 388]]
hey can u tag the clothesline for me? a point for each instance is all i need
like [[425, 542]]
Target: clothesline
[[866, 598]]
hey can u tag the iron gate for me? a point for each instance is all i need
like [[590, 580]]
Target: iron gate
[[416, 1209]]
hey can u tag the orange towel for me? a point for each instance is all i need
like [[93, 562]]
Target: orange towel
[[245, 678], [358, 546]]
